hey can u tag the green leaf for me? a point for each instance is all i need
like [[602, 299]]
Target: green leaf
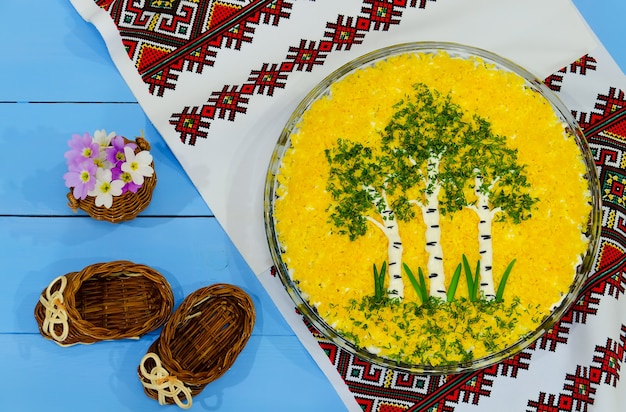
[[469, 277], [502, 284], [376, 281], [412, 279], [422, 283], [476, 280], [419, 289], [454, 283], [379, 281]]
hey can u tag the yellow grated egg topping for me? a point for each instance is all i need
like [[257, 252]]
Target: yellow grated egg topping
[[335, 273]]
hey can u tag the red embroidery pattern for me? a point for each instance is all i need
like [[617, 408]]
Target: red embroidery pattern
[[165, 39], [554, 81], [381, 15], [583, 64], [581, 386], [193, 123], [580, 66], [607, 104], [305, 56], [556, 335], [608, 358]]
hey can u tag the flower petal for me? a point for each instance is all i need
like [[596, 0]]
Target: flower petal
[[116, 187], [144, 157]]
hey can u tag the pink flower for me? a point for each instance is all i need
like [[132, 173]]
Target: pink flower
[[81, 148], [81, 177]]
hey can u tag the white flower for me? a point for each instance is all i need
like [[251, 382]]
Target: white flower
[[101, 159], [105, 189], [102, 138], [138, 165]]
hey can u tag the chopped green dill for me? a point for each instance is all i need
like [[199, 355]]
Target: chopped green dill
[[438, 340]]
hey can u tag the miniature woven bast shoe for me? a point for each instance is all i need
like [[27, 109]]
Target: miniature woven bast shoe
[[104, 301], [198, 344]]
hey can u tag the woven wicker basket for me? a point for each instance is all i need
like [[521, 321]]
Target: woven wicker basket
[[198, 344], [104, 301], [124, 208]]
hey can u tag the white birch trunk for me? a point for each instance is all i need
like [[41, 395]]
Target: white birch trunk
[[430, 214], [485, 242], [394, 256], [389, 227]]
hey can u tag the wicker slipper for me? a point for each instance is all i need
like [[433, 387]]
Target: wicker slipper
[[198, 344], [104, 301]]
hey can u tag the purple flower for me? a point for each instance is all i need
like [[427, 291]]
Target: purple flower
[[115, 152], [81, 177], [127, 178], [81, 148]]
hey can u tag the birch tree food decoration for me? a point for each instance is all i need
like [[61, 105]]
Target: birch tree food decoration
[[431, 145], [416, 210]]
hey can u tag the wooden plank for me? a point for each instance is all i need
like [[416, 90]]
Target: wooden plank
[[189, 252], [56, 55], [34, 139], [272, 373]]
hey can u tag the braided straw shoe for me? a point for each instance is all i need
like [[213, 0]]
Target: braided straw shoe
[[125, 207], [198, 344], [104, 301]]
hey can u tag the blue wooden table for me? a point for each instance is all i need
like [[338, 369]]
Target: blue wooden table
[[57, 79]]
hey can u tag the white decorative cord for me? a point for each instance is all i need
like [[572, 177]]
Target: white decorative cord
[[56, 314], [166, 386]]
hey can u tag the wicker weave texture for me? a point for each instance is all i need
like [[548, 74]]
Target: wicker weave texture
[[204, 337], [105, 301], [124, 208]]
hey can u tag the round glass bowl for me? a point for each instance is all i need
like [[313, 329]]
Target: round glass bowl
[[322, 90]]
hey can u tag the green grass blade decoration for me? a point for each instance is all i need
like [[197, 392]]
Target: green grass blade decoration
[[376, 287], [422, 284], [418, 288], [411, 277], [379, 281], [476, 280], [502, 284], [469, 277], [454, 283]]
